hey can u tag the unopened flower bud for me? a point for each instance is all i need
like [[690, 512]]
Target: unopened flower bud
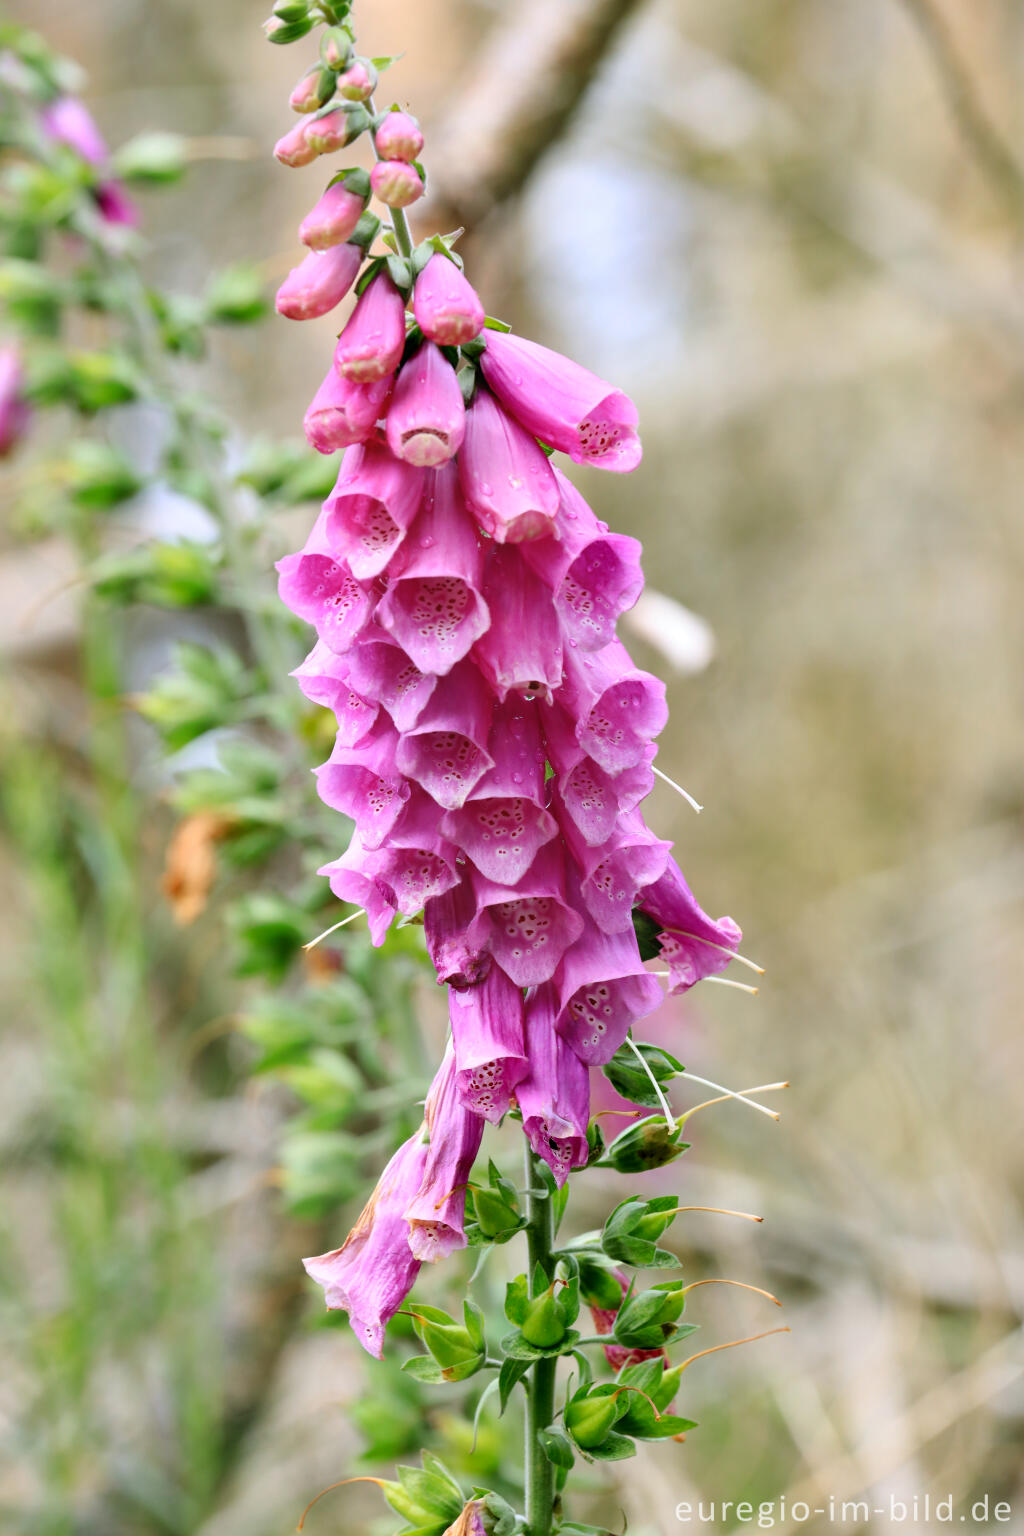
[[484, 1516], [336, 48], [277, 30], [358, 81], [371, 345], [589, 1419], [293, 148], [319, 282], [334, 217], [396, 183], [335, 129], [398, 137], [314, 90], [543, 1326], [446, 307], [343, 412]]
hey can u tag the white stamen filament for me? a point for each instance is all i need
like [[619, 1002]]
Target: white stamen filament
[[328, 931], [731, 1094], [666, 1110], [724, 948], [722, 981], [678, 788]]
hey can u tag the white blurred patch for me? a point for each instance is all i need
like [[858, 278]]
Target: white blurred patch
[[684, 639]]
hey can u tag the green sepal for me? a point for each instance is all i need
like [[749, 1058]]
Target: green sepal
[[517, 1299], [557, 1448], [628, 1077], [491, 324], [512, 1372], [614, 1447], [515, 1347], [646, 1144], [400, 272]]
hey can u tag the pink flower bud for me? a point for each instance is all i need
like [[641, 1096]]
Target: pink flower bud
[[335, 48], [343, 413], [446, 307], [427, 419], [333, 219], [294, 149], [358, 82], [399, 137], [315, 88], [66, 121], [334, 130], [14, 410], [319, 282], [371, 344], [396, 183]]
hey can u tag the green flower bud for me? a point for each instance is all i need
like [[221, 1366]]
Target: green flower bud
[[543, 1326], [275, 30], [494, 1215], [589, 1419], [648, 1318], [650, 1143]]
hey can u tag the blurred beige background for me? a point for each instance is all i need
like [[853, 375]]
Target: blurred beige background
[[791, 229]]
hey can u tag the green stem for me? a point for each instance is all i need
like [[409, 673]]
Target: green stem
[[540, 1382]]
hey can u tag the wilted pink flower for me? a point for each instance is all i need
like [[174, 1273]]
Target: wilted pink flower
[[396, 183], [319, 282], [619, 709], [562, 403], [371, 344], [321, 589], [529, 926], [333, 218], [446, 751], [343, 413], [358, 82], [506, 478], [446, 307], [15, 412], [435, 1214], [603, 990], [427, 419], [294, 149], [460, 958], [692, 944], [521, 652], [505, 819], [554, 1097], [398, 137], [366, 784], [433, 607], [490, 1050], [473, 1521], [373, 1271], [371, 508]]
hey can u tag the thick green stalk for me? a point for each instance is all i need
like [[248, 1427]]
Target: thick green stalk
[[540, 1382]]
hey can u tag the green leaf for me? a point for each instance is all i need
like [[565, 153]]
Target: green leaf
[[236, 296], [517, 1299], [629, 1079], [155, 158], [166, 575], [614, 1447], [208, 687], [512, 1372]]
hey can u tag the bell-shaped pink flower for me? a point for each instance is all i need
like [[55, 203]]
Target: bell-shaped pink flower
[[505, 820], [382, 671], [396, 183], [399, 137], [613, 873], [333, 218], [446, 307], [434, 607], [319, 282], [427, 419], [593, 798], [692, 944], [371, 345], [373, 1271], [293, 148], [562, 403], [342, 413], [356, 877], [412, 866], [372, 507], [67, 121], [490, 1049], [603, 990], [521, 651], [619, 709], [593, 575], [460, 958], [436, 1213], [506, 478], [446, 751], [366, 785], [324, 678], [554, 1097], [321, 589], [527, 927], [15, 412]]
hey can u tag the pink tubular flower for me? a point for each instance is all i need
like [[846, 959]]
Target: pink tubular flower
[[521, 652], [593, 575], [692, 944], [619, 709], [487, 1035], [613, 873], [342, 413], [505, 820], [398, 137], [366, 784], [383, 671], [324, 678], [435, 1214], [294, 149], [603, 990], [446, 307], [427, 419], [506, 479], [434, 608], [319, 282], [333, 218], [459, 957], [15, 412], [554, 1097], [401, 876], [562, 403], [371, 508], [592, 797], [529, 926], [396, 183], [446, 751], [370, 346], [321, 589], [67, 121], [373, 1271]]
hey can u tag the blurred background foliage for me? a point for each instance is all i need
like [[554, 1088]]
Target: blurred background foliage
[[791, 228]]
